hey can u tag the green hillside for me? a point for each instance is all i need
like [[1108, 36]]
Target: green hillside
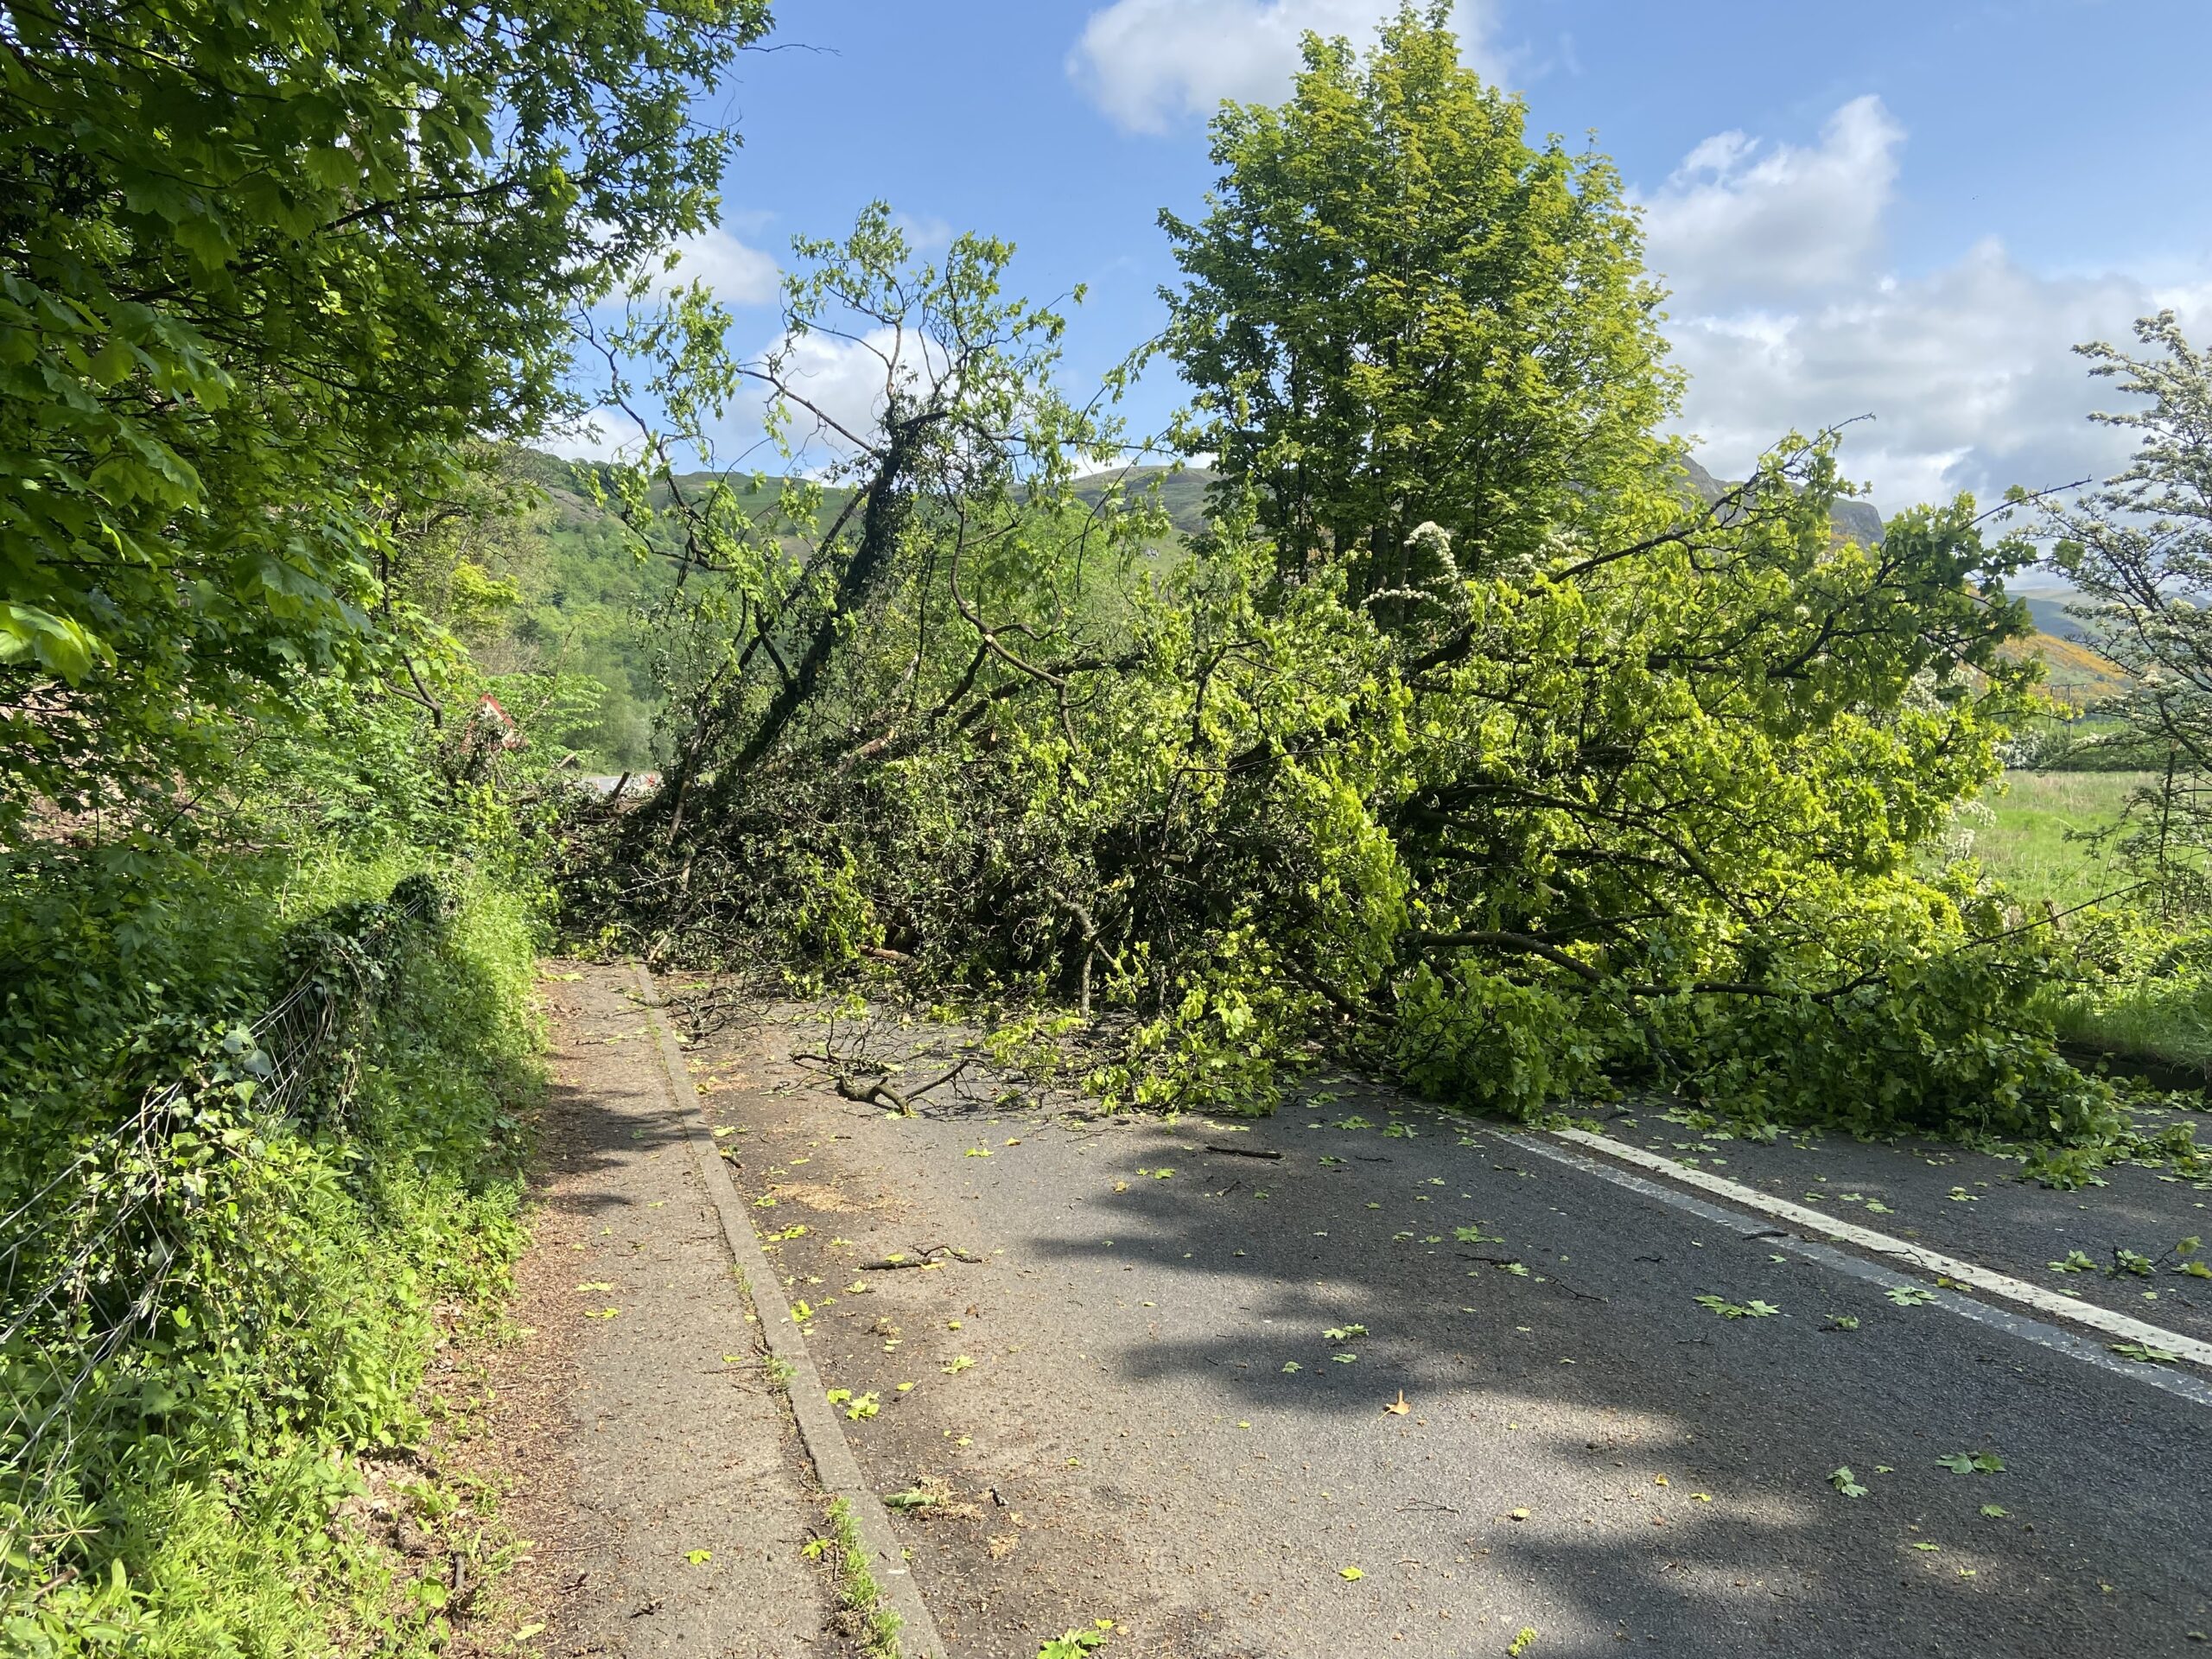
[[588, 592]]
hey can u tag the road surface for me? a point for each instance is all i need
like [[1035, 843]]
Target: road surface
[[1162, 1392]]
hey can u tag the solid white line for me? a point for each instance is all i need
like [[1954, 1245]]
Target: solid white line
[[1949, 1267], [2044, 1333]]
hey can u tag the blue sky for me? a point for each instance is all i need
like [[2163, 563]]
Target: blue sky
[[1907, 209]]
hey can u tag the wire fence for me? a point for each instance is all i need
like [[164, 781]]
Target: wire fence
[[92, 1259]]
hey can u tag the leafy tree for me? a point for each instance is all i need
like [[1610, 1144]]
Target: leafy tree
[[943, 557], [263, 270], [1401, 312], [2139, 548], [1467, 743]]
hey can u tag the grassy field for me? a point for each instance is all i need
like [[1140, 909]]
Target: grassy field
[[2032, 838], [2156, 1016]]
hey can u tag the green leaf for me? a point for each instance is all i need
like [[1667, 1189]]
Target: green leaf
[[2144, 1352], [1846, 1482], [1727, 1310], [1972, 1463]]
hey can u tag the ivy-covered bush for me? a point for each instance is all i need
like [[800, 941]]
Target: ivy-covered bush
[[222, 1257]]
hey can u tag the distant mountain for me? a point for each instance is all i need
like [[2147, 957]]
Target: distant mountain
[[1182, 491], [1852, 518], [2051, 617], [1184, 494]]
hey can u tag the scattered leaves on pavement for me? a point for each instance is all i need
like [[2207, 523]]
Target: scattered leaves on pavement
[[1972, 1463], [2144, 1352], [1753, 1309]]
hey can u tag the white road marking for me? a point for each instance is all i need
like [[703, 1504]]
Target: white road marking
[[2054, 1339], [2118, 1325]]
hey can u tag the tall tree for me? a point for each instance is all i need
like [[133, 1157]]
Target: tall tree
[[265, 265], [2140, 547], [1399, 312]]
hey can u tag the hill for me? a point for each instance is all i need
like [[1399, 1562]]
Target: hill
[[586, 594], [1182, 491], [1850, 518], [2052, 617]]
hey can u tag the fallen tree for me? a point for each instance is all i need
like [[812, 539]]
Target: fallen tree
[[1517, 798]]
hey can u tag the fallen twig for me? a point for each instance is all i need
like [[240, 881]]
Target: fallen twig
[[1244, 1152], [866, 1092], [923, 1258]]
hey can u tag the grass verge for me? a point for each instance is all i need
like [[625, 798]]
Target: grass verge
[[858, 1592], [215, 1482]]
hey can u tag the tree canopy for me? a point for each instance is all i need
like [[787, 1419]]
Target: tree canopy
[[1400, 312], [264, 269], [2139, 548], [1466, 742]]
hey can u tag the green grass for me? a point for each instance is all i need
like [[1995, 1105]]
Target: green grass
[[856, 1587], [2033, 838], [2159, 1008]]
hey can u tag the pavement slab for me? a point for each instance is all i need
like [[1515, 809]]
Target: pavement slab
[[653, 1467]]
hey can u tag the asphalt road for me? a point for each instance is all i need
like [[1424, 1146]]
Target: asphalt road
[[1158, 1395]]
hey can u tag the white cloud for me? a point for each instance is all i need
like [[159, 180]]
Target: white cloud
[[926, 234], [737, 274], [594, 438], [1739, 216], [1152, 64], [1786, 319], [839, 385]]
